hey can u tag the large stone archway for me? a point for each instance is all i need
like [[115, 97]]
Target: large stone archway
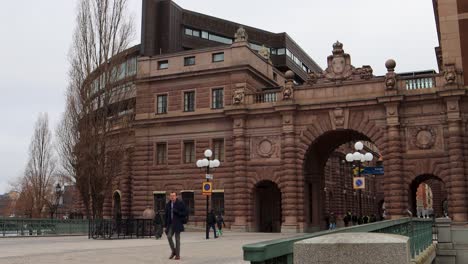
[[314, 161]]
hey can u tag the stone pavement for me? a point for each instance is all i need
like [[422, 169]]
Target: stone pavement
[[74, 250]]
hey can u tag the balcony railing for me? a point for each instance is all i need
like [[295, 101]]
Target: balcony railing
[[280, 251], [420, 83]]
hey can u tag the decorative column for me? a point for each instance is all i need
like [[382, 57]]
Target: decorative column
[[241, 191], [289, 182], [395, 189], [457, 198]]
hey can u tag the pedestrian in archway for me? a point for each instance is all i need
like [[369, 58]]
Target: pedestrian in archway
[[220, 223], [210, 223], [332, 220], [175, 213]]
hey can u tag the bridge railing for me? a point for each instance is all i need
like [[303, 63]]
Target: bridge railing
[[280, 251], [125, 228], [11, 227]]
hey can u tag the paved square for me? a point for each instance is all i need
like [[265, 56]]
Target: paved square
[[76, 250]]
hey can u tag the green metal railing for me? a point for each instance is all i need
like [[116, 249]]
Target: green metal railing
[[280, 251], [42, 227]]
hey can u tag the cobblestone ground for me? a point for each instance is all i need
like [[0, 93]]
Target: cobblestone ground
[[74, 250]]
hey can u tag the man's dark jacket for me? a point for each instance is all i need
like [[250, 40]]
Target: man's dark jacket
[[180, 213]]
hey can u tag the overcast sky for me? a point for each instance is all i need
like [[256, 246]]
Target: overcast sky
[[36, 35]]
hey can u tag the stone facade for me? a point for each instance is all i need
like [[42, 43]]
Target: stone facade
[[281, 141]]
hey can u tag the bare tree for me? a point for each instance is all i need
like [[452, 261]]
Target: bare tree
[[89, 145], [37, 184]]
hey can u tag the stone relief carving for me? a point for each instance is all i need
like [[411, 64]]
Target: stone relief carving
[[238, 97], [288, 89], [340, 68], [265, 147], [339, 117], [241, 35], [264, 52], [450, 74], [390, 77], [423, 137]]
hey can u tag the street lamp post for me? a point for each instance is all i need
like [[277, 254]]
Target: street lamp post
[[359, 158], [208, 163]]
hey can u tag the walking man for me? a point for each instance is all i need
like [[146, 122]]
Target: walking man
[[175, 214], [220, 223], [210, 223]]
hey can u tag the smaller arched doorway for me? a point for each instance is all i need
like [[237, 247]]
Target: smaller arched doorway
[[117, 205], [427, 195], [267, 207]]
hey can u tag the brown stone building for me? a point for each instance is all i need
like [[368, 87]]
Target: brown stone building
[[281, 126]]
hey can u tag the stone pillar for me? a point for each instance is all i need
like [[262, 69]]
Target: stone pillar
[[289, 182], [365, 248], [457, 198], [395, 189], [241, 198], [446, 254]]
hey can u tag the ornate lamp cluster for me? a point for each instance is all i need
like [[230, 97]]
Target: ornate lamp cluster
[[207, 162]]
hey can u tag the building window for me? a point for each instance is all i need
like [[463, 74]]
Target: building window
[[217, 57], [161, 153], [163, 65], [188, 61], [217, 201], [189, 152], [204, 35], [189, 101], [275, 76], [217, 98], [159, 202], [218, 149], [189, 202], [161, 104]]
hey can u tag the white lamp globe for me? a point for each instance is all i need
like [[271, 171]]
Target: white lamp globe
[[369, 156], [199, 163], [205, 163], [208, 153], [216, 163], [363, 157], [356, 156], [211, 162], [349, 157], [358, 145]]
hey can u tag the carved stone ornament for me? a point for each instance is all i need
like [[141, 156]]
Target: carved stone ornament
[[264, 52], [365, 72], [339, 117], [424, 137], [339, 64], [241, 35], [288, 89], [265, 148], [340, 68], [450, 74], [390, 77], [238, 97], [313, 78]]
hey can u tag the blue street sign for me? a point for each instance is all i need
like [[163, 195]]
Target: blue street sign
[[373, 170]]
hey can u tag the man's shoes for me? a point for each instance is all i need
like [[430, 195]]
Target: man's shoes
[[172, 256], [177, 258]]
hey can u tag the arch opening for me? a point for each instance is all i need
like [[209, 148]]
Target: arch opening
[[328, 181], [427, 196], [267, 207]]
